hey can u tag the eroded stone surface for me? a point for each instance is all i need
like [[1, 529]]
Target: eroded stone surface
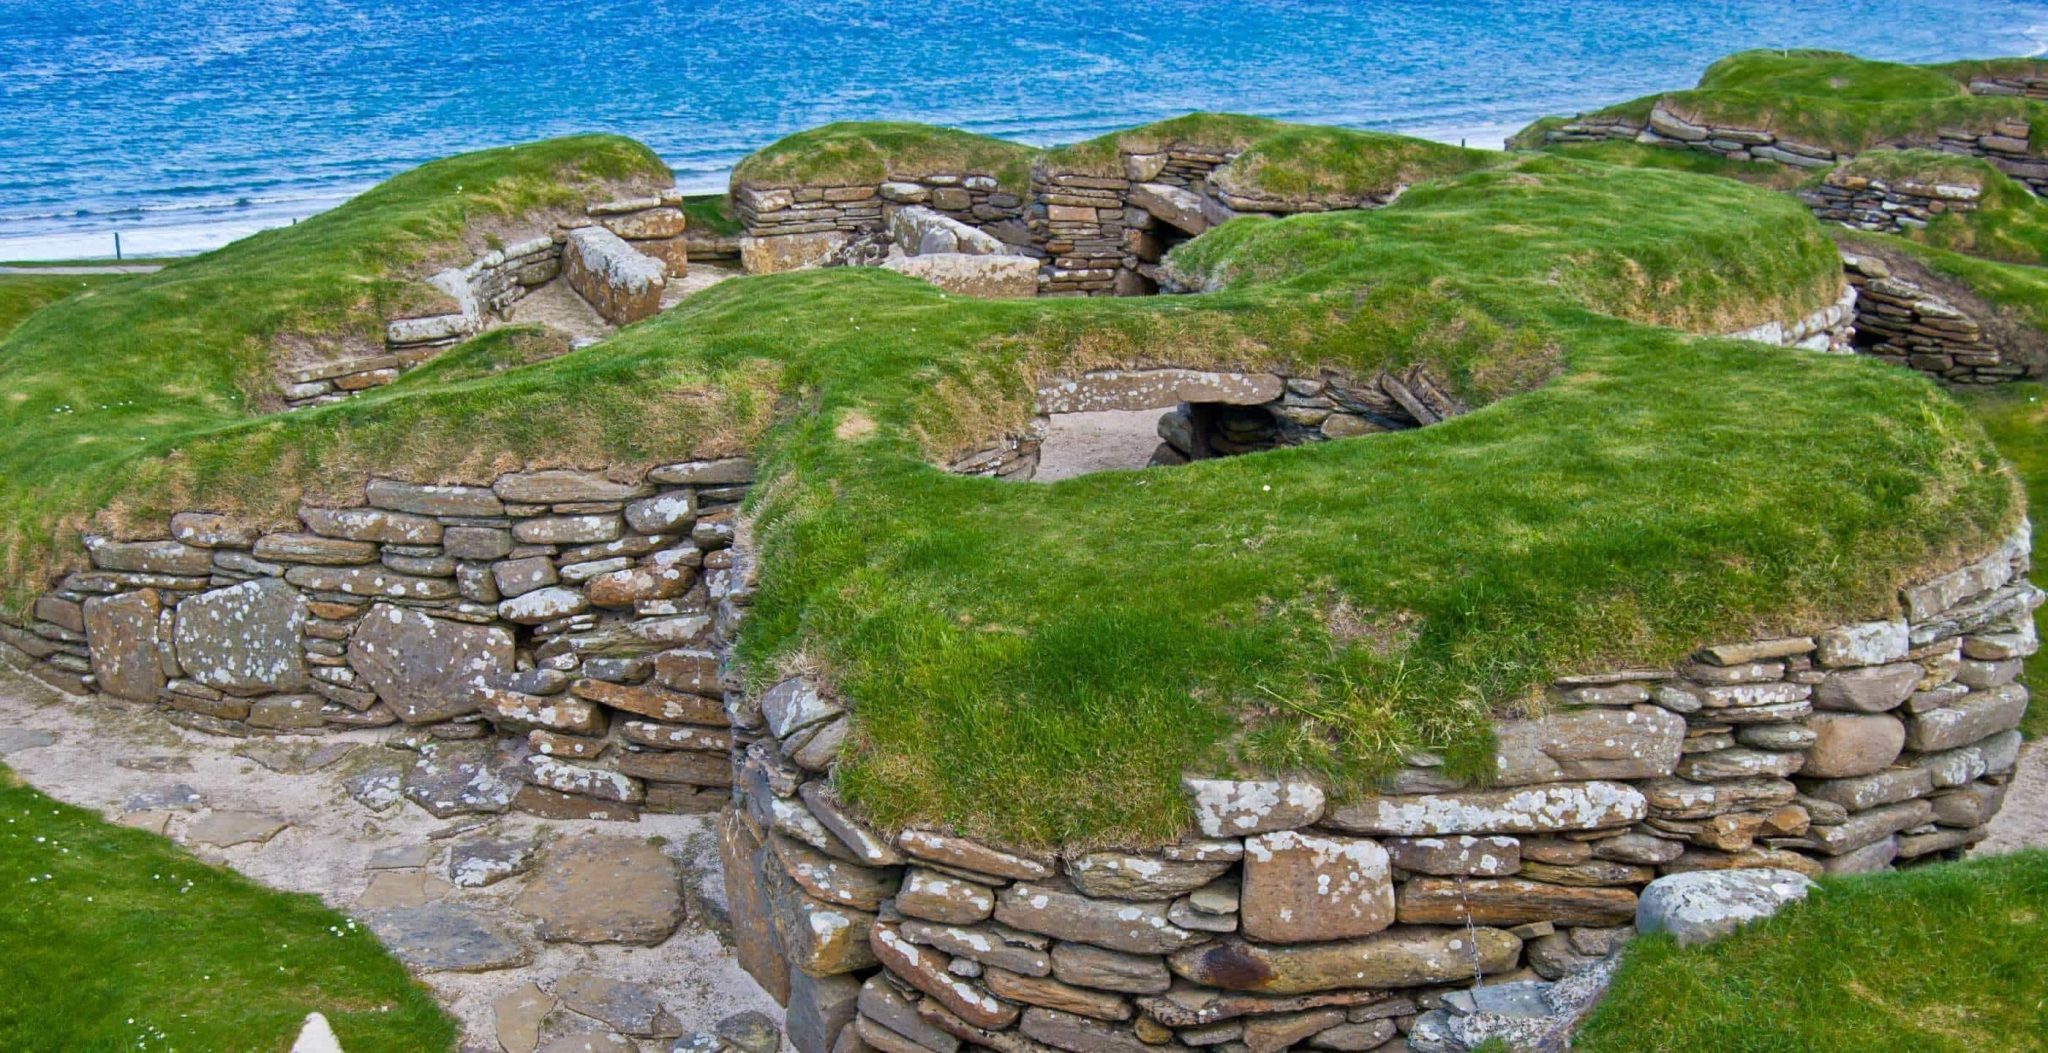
[[1228, 808], [594, 889], [427, 669], [1701, 906], [244, 639], [447, 937], [1399, 957], [1300, 887], [1534, 809]]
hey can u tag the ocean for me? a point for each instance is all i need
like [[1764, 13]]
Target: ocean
[[183, 124]]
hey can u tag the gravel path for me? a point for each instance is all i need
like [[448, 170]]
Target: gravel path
[[108, 755]]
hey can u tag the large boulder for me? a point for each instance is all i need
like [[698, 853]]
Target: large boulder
[[1705, 904], [245, 639], [427, 669]]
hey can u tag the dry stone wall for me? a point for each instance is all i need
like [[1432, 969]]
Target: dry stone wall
[[485, 290], [1288, 919], [788, 228], [2006, 146], [550, 642], [1910, 325], [1092, 235], [1887, 206]]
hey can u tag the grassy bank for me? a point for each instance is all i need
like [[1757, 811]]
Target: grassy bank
[[2016, 418], [114, 939], [1942, 959], [1044, 662], [22, 295]]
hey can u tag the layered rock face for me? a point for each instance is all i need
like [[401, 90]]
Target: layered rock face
[[1291, 920], [552, 641]]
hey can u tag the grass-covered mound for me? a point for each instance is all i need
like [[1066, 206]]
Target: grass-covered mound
[[1044, 662], [1941, 959], [1825, 99], [117, 939], [1642, 155], [2016, 417], [134, 366], [1277, 160], [850, 153]]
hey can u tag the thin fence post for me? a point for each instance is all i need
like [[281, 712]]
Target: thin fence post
[[117, 246]]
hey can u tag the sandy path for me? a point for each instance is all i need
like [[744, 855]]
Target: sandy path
[[112, 268], [2023, 822], [325, 850]]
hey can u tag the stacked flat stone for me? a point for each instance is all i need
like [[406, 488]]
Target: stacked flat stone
[[1887, 206], [485, 290], [2006, 145], [567, 618], [1288, 920], [1909, 325], [1830, 330], [789, 227]]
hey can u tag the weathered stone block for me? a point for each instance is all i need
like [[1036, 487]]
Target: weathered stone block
[[428, 669], [244, 639], [122, 631], [1301, 887]]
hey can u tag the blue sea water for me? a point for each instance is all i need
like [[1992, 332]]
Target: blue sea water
[[185, 123]]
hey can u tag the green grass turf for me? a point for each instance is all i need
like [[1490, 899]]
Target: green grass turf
[[1043, 662], [2016, 418], [115, 939], [848, 153], [1639, 155], [713, 213], [1950, 958], [1827, 99], [22, 295]]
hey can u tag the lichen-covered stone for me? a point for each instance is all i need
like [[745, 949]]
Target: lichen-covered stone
[[1628, 743], [1230, 808], [122, 631], [244, 639], [1704, 905], [1510, 901], [428, 669], [1535, 809], [1309, 887], [1054, 909]]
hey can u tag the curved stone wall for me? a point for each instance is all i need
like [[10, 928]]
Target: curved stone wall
[[1287, 919], [553, 640]]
